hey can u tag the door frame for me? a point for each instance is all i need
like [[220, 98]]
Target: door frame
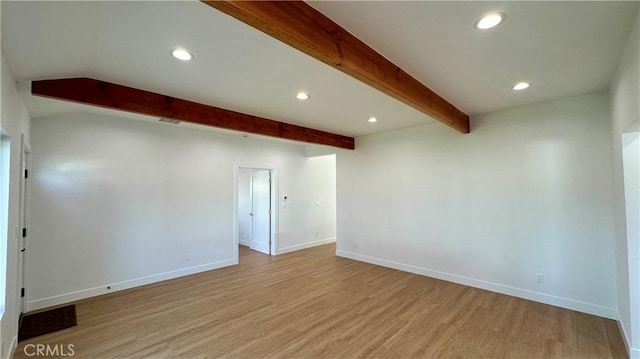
[[274, 205], [24, 216]]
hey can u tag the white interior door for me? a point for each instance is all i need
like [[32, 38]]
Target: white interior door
[[244, 207], [261, 211]]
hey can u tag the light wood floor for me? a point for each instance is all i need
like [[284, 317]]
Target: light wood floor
[[312, 304]]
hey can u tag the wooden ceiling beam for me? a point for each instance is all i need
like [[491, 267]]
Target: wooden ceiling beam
[[118, 97], [301, 26]]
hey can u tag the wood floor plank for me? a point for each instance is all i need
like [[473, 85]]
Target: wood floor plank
[[312, 304], [593, 341], [616, 343]]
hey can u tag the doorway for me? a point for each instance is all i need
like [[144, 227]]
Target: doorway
[[255, 212]]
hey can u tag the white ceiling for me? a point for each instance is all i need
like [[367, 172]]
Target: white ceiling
[[564, 48]]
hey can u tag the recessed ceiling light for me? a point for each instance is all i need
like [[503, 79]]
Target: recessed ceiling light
[[521, 86], [302, 96], [181, 54], [490, 20], [372, 120]]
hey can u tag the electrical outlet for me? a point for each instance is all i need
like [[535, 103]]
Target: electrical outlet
[[186, 257], [356, 245], [317, 234], [540, 278]]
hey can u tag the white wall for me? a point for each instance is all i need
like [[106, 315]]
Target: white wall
[[625, 115], [527, 191], [311, 195], [121, 202], [15, 121]]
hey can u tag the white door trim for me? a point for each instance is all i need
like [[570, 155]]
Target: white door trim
[[274, 204], [25, 187]]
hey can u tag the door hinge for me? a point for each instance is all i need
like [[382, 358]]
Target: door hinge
[[269, 243], [26, 173], [22, 293], [269, 211], [24, 233]]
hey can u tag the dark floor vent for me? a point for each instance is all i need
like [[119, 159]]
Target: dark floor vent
[[41, 323]]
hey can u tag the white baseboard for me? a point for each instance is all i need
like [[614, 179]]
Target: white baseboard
[[567, 303], [118, 286], [243, 242], [634, 353], [12, 347], [298, 247], [625, 336]]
